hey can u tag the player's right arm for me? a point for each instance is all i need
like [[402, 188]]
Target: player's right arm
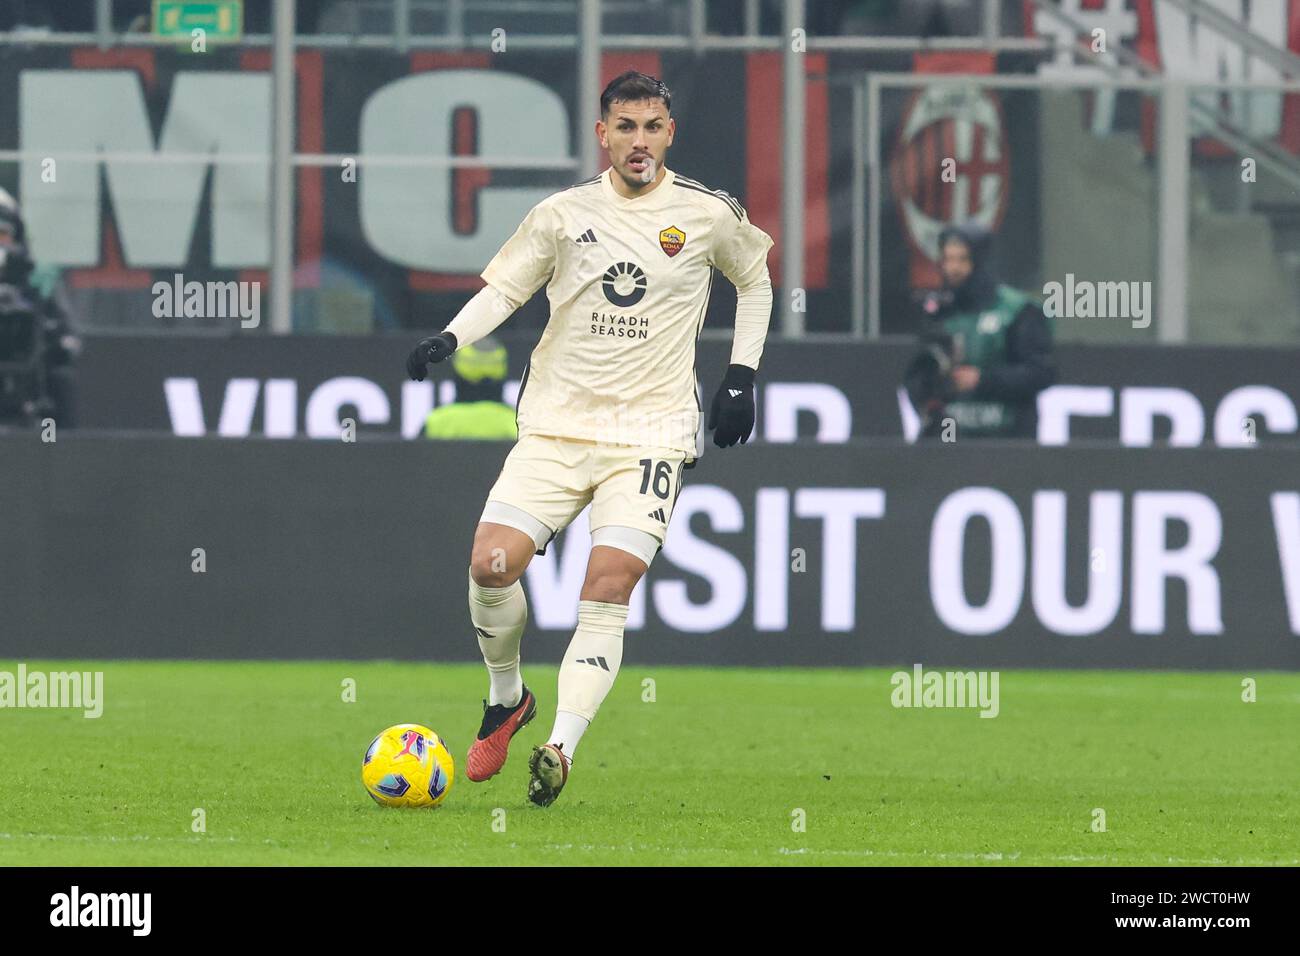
[[519, 269]]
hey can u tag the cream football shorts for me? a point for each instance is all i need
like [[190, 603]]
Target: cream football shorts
[[546, 482]]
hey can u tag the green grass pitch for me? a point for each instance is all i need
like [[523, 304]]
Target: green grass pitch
[[713, 771]]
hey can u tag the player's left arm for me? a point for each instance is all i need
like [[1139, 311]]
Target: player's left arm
[[740, 251]]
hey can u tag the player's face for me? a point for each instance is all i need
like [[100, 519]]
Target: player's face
[[637, 136], [954, 263]]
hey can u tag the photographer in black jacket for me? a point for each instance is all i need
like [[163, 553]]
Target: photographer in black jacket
[[988, 348]]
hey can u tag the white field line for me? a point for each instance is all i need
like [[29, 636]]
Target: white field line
[[1029, 688], [991, 857], [926, 855]]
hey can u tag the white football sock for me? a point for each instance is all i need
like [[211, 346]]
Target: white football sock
[[568, 730], [588, 670], [499, 616]]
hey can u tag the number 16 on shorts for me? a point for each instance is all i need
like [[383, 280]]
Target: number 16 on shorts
[[657, 480]]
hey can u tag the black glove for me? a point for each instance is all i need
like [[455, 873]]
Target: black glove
[[433, 349], [731, 417]]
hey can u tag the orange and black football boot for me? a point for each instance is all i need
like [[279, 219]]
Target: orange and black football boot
[[487, 755]]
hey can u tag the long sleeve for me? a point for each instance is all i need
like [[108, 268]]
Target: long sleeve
[[753, 314], [740, 251], [481, 315]]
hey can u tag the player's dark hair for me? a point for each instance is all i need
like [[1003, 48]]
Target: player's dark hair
[[631, 87]]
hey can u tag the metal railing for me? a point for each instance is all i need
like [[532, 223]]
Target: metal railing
[[454, 14], [1207, 120], [587, 42], [1176, 121], [1126, 71]]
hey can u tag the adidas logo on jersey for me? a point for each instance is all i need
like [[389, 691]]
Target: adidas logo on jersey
[[657, 514], [587, 236], [594, 662]]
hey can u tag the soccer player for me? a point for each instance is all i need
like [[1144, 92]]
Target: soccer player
[[608, 409]]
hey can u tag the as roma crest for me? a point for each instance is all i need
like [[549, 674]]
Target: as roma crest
[[671, 240]]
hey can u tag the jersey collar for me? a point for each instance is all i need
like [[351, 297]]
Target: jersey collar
[[607, 187]]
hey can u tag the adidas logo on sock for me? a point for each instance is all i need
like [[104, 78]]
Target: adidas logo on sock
[[587, 236], [733, 392], [594, 662], [482, 633], [657, 514]]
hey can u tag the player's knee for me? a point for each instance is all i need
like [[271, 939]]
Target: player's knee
[[489, 568], [610, 587]]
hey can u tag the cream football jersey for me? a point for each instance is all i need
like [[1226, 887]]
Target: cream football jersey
[[628, 282]]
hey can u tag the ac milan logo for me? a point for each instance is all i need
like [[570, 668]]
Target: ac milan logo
[[964, 125]]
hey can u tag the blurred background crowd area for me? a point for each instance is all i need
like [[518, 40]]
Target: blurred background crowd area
[[1169, 155]]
